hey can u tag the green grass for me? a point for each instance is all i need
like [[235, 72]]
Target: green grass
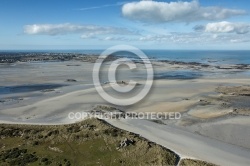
[[91, 142], [192, 162]]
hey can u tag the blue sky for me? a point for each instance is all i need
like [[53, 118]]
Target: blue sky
[[56, 24]]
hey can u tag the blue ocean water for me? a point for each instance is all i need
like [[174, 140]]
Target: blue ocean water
[[217, 57], [210, 56]]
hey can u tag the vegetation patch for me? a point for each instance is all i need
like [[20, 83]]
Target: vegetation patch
[[188, 162], [90, 142]]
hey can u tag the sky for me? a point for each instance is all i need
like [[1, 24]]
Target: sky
[[146, 24]]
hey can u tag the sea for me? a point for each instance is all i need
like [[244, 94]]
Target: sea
[[201, 56]]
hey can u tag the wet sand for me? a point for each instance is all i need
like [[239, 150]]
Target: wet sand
[[207, 113]]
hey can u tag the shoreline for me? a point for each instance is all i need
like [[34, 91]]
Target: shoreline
[[46, 57]]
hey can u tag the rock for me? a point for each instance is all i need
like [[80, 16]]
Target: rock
[[71, 80], [48, 90], [126, 142], [55, 149]]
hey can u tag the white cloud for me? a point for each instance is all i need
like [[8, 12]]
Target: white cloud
[[239, 40], [88, 36], [85, 30], [224, 27], [118, 38], [156, 38], [108, 38], [195, 38], [154, 11], [102, 6], [112, 38], [115, 34], [173, 38]]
